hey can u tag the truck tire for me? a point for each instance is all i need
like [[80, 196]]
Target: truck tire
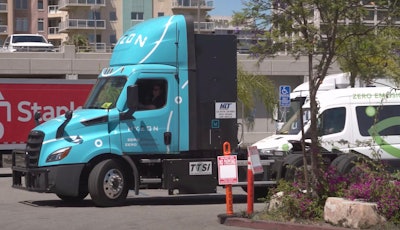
[[345, 163], [108, 183], [73, 199], [290, 165]]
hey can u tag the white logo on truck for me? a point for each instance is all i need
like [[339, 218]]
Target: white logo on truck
[[200, 168]]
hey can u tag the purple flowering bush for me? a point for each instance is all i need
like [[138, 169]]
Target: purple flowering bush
[[371, 184], [379, 187]]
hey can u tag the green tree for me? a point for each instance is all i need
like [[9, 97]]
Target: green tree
[[252, 87], [316, 29], [79, 41], [373, 55]]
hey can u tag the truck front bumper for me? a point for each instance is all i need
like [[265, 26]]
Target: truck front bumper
[[59, 179]]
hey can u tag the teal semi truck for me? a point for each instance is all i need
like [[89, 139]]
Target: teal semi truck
[[113, 144]]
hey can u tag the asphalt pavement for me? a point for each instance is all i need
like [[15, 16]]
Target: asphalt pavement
[[236, 220]]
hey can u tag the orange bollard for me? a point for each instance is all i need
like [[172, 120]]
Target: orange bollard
[[250, 187], [228, 187]]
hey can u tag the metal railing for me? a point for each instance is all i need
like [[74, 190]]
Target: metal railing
[[82, 24], [53, 9], [209, 4], [53, 30], [3, 29], [3, 7], [205, 26], [65, 3]]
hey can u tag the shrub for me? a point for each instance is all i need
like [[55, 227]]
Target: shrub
[[369, 182], [379, 187]]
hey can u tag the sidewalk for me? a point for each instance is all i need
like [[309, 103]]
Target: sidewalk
[[5, 172]]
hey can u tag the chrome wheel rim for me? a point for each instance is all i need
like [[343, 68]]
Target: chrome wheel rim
[[113, 183]]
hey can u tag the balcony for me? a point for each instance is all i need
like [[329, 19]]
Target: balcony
[[53, 30], [54, 12], [204, 26], [82, 24], [3, 8], [193, 4], [67, 4], [3, 29]]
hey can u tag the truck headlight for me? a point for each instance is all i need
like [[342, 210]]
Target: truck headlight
[[268, 151], [58, 155]]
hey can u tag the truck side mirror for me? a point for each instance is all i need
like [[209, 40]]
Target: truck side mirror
[[132, 97], [132, 101]]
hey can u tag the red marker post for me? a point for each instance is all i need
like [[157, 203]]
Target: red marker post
[[250, 186], [253, 167]]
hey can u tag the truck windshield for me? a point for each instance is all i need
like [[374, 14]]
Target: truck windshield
[[105, 93], [293, 125]]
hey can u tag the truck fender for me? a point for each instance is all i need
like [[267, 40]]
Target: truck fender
[[135, 173]]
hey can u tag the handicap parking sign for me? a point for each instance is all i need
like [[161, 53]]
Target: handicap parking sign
[[284, 95]]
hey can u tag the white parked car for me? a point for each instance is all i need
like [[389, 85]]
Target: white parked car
[[27, 43]]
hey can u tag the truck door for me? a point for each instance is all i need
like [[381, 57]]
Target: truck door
[[154, 126]]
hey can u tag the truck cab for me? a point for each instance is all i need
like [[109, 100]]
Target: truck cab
[[113, 144]]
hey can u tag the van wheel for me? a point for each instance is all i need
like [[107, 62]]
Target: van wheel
[[108, 183]]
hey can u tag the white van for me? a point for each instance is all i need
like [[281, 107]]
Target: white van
[[358, 120], [27, 43]]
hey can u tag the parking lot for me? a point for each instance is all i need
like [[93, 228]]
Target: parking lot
[[152, 209]]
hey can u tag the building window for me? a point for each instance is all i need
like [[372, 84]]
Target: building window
[[113, 16], [113, 38], [40, 5], [21, 4], [21, 24], [137, 16], [40, 24], [160, 14]]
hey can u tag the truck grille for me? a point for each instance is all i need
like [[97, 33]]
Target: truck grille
[[33, 146]]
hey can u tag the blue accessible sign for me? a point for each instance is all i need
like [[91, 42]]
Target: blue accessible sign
[[284, 95]]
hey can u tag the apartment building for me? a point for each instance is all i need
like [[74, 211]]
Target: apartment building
[[101, 22]]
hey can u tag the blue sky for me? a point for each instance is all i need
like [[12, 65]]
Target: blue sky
[[225, 7]]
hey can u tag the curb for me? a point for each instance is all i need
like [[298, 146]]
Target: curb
[[236, 221]]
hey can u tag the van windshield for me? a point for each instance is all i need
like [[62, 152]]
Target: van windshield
[[105, 93], [293, 125]]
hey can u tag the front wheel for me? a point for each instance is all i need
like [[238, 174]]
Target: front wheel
[[108, 183], [73, 199]]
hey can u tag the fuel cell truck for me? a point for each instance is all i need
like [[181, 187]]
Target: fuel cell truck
[[113, 145]]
